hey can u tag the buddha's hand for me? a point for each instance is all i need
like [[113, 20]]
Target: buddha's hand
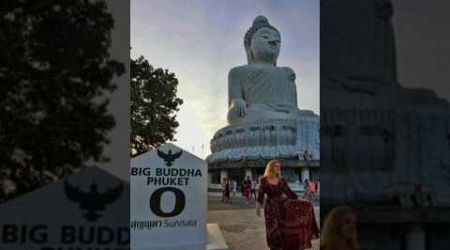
[[240, 106]]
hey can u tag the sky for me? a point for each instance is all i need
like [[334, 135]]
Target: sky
[[200, 41], [422, 40]]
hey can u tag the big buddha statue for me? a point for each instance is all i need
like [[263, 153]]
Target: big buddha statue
[[263, 117], [260, 89]]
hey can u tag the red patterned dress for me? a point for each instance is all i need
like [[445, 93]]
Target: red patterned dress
[[290, 223]]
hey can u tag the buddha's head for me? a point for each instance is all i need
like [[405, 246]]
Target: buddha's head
[[262, 42]]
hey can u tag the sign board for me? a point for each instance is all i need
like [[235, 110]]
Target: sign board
[[168, 199], [89, 210]]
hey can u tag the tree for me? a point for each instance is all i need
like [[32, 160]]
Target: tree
[[153, 105], [55, 70]]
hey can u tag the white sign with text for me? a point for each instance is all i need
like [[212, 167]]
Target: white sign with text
[[89, 210], [168, 199]]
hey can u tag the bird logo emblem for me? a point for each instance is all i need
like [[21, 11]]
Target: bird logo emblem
[[169, 157], [92, 201]]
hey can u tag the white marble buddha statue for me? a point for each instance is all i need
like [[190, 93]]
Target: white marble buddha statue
[[260, 89], [264, 120]]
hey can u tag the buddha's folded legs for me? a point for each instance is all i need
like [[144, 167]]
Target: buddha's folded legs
[[259, 112]]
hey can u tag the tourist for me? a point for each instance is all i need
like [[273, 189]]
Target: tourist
[[306, 193], [306, 155], [284, 232], [233, 188], [339, 230], [227, 191], [247, 183], [223, 189], [312, 190], [254, 183], [316, 187]]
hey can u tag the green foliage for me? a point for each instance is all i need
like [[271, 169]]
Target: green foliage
[[153, 105], [54, 73]]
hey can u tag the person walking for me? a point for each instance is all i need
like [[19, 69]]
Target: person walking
[[247, 183], [306, 193], [290, 221], [316, 189], [233, 188], [227, 191], [253, 188], [312, 190], [223, 189]]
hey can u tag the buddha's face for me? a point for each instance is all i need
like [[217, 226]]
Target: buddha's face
[[265, 45]]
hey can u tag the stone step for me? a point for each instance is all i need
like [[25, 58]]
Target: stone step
[[215, 240]]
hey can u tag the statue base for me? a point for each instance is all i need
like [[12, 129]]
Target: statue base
[[243, 150], [266, 139]]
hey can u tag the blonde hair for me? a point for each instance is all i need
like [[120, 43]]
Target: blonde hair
[[331, 233], [270, 172]]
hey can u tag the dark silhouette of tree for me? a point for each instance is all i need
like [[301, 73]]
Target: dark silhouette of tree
[[55, 74], [153, 105]]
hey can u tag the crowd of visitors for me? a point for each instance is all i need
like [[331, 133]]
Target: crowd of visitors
[[249, 189]]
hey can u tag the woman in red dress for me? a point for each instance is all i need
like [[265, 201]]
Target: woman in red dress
[[290, 222]]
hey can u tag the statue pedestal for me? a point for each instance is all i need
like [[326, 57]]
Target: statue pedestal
[[266, 139], [244, 149]]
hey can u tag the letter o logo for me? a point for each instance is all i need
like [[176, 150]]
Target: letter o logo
[[155, 202]]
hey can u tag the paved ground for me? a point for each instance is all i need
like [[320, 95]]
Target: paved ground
[[238, 202], [240, 226]]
